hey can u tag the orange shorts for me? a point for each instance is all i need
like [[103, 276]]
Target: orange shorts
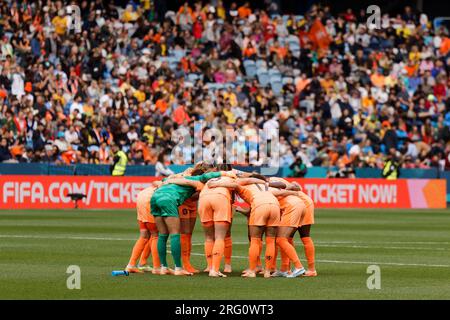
[[215, 207], [291, 218], [187, 211], [265, 215], [148, 226], [143, 212], [308, 216]]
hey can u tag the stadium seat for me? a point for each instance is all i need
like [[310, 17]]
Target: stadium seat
[[263, 78], [228, 85], [192, 77], [248, 62], [277, 86], [179, 54], [274, 72], [286, 80], [173, 65], [275, 77], [261, 64], [250, 70]]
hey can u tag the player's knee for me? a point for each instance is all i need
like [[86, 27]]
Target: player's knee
[[304, 234], [144, 233]]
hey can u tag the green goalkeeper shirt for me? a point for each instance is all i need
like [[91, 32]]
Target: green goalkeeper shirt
[[181, 193]]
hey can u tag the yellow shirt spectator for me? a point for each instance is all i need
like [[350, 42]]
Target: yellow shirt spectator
[[60, 24], [231, 98], [230, 116], [139, 95]]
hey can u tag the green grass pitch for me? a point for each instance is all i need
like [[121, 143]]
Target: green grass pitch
[[411, 247]]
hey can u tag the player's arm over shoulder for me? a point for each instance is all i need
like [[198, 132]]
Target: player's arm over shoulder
[[188, 181]]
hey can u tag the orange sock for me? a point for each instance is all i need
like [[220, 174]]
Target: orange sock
[[208, 252], [189, 236], [270, 252], [228, 250], [155, 256], [285, 262], [145, 253], [258, 261], [273, 266], [308, 244], [289, 251], [253, 253], [137, 250], [185, 250], [218, 251]]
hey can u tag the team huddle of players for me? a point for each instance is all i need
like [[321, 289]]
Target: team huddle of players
[[167, 211]]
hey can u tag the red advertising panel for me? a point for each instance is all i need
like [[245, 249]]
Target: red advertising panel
[[103, 192]]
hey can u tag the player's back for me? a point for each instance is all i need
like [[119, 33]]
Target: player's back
[[306, 199], [287, 202], [143, 203], [207, 191], [257, 194], [145, 195]]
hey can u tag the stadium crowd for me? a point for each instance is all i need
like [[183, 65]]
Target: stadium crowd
[[135, 74]]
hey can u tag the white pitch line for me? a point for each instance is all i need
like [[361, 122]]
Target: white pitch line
[[64, 237], [317, 243], [321, 244], [360, 262], [236, 257]]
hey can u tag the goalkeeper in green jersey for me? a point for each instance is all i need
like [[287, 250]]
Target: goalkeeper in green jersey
[[164, 207]]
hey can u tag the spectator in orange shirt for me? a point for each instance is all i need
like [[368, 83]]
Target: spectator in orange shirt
[[302, 82], [377, 79], [180, 115], [278, 50], [244, 11], [162, 104], [250, 51]]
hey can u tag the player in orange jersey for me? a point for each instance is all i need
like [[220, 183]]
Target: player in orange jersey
[[215, 211], [264, 216], [304, 230], [188, 216], [148, 238], [292, 208]]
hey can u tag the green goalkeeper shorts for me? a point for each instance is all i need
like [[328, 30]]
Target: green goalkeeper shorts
[[163, 206]]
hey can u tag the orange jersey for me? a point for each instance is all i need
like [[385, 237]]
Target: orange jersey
[[206, 191], [306, 199], [287, 203], [143, 204], [256, 195], [308, 214]]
